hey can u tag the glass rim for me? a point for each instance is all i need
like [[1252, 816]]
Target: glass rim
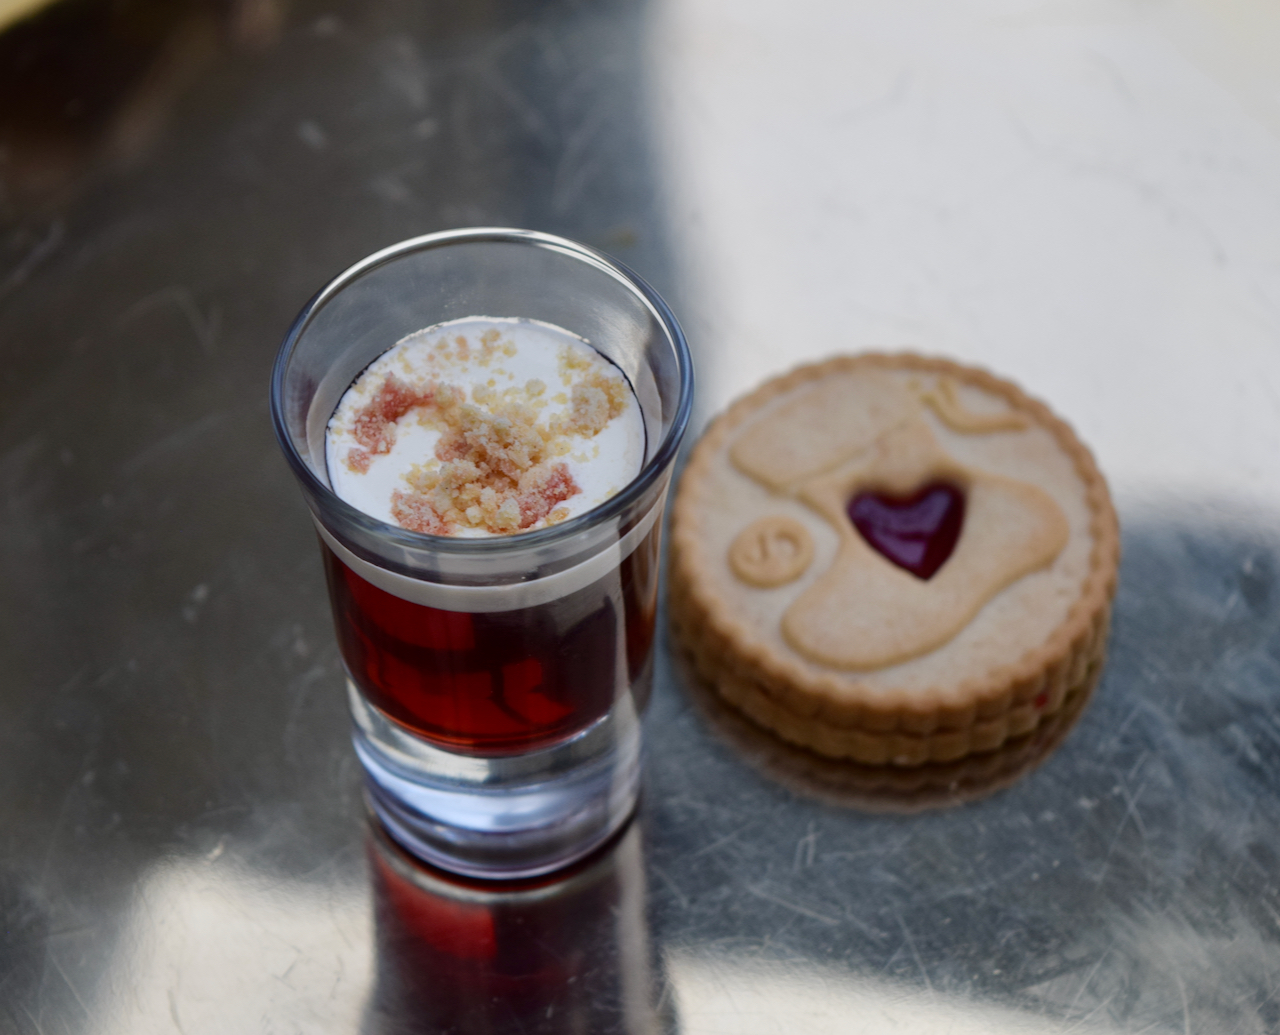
[[615, 506]]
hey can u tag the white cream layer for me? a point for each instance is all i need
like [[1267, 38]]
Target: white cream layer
[[601, 465]]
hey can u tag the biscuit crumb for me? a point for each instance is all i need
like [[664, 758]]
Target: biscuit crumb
[[375, 423], [496, 465]]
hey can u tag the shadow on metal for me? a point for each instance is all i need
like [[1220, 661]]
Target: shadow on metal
[[870, 788]]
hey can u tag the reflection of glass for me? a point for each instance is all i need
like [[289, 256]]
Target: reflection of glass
[[496, 683], [562, 954]]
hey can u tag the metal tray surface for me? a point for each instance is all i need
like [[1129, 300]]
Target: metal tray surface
[[1081, 196]]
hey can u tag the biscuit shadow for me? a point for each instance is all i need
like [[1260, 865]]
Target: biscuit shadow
[[878, 789]]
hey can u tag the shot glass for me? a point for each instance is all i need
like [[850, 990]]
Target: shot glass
[[496, 684]]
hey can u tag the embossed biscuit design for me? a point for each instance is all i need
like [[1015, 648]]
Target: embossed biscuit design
[[848, 653]]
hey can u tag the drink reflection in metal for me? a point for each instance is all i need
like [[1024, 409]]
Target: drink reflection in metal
[[496, 683], [565, 952]]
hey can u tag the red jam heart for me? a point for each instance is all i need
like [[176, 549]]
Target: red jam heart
[[916, 532]]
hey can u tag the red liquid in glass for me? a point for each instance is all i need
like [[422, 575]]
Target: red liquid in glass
[[502, 681]]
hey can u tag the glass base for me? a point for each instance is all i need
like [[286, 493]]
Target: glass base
[[500, 817]]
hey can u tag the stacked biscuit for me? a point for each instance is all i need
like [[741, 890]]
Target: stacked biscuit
[[843, 637]]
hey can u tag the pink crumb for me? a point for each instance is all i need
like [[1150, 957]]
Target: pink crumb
[[452, 446], [537, 501], [375, 423], [358, 460]]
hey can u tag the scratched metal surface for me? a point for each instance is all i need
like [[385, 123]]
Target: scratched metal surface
[[1080, 195]]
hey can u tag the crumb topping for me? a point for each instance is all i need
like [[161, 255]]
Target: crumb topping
[[375, 423], [497, 464]]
